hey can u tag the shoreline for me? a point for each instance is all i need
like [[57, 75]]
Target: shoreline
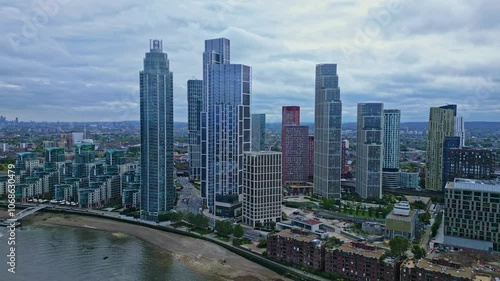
[[202, 256]]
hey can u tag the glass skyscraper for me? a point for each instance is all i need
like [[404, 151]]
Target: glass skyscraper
[[258, 132], [157, 121], [195, 105], [370, 150], [226, 129], [327, 132]]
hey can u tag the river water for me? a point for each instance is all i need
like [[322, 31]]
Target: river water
[[55, 253]]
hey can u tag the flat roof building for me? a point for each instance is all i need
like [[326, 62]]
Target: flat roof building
[[472, 214], [262, 188], [360, 261], [402, 221], [297, 247], [438, 269]]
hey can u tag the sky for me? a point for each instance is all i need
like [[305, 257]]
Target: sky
[[75, 60]]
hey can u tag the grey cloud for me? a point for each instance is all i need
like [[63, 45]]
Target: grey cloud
[[85, 60]]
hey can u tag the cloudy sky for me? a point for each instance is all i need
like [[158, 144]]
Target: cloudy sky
[[75, 60]]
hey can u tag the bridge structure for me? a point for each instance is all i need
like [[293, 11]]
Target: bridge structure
[[28, 211]]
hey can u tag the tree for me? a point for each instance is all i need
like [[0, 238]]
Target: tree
[[262, 243], [418, 252], [284, 217], [436, 224], [399, 245], [190, 217], [238, 231], [201, 221], [419, 205], [223, 228], [424, 218]]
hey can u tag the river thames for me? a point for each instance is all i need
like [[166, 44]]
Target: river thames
[[58, 253]]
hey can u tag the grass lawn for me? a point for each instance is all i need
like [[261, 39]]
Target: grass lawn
[[180, 224], [201, 231], [222, 238]]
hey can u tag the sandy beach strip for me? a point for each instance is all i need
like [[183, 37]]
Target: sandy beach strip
[[201, 255]]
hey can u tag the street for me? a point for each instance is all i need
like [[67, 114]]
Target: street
[[189, 197]]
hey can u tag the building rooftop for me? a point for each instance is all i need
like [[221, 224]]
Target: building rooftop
[[413, 199], [471, 184], [351, 248], [392, 216], [53, 148], [465, 272], [311, 222], [299, 235], [482, 277], [253, 153]]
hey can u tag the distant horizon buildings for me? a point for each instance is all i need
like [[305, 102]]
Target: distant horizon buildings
[[441, 125], [370, 150], [226, 128], [156, 109], [327, 132]]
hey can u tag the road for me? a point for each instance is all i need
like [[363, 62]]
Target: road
[[189, 197], [252, 234]]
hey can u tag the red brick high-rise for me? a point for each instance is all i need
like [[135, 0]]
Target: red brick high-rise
[[294, 146]]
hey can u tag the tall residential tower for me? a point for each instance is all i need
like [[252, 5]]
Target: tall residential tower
[[195, 97], [157, 121], [225, 125], [390, 175], [441, 125], [370, 150], [327, 132]]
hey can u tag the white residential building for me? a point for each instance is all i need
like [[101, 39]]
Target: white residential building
[[262, 188]]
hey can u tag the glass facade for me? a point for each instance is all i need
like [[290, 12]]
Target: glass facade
[[390, 176], [225, 126], [327, 133], [370, 150], [156, 110], [258, 132], [195, 96]]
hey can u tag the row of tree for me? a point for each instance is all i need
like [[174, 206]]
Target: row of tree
[[199, 220], [436, 224], [399, 246], [226, 228]]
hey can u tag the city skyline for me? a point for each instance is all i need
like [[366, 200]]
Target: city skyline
[[78, 85]]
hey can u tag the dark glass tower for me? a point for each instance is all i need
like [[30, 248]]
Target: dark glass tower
[[157, 120], [195, 96]]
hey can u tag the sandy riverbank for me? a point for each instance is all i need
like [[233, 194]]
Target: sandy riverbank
[[200, 255]]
